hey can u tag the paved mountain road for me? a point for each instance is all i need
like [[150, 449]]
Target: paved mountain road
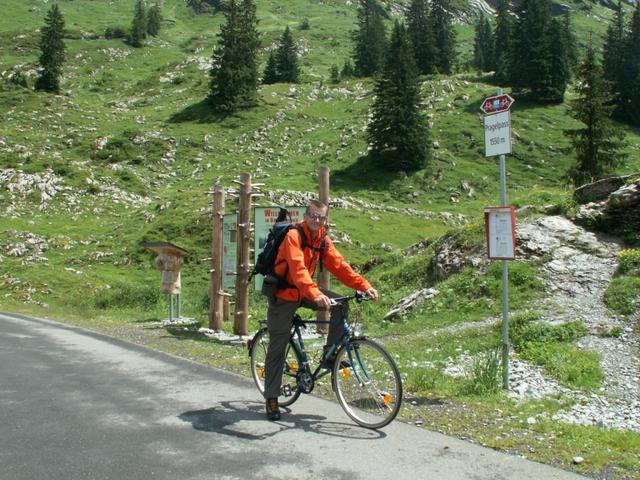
[[80, 405]]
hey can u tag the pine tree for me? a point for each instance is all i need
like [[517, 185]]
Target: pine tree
[[335, 74], [571, 44], [630, 95], [139, 25], [370, 39], [153, 21], [483, 45], [502, 43], [538, 48], [347, 69], [270, 75], [559, 69], [613, 60], [234, 75], [421, 33], [398, 133], [53, 51], [597, 144], [445, 36], [287, 59]]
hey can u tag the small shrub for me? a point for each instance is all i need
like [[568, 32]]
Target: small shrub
[[115, 32], [622, 295], [484, 376], [304, 24], [629, 262]]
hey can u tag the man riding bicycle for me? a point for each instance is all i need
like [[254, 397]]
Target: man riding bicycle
[[296, 263]]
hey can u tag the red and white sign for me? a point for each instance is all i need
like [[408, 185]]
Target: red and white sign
[[499, 103], [500, 227]]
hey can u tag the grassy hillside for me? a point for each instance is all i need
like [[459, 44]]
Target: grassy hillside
[[129, 152]]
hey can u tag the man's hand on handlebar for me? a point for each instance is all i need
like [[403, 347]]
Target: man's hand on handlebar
[[373, 293], [323, 301]]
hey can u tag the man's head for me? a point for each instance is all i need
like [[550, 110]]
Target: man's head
[[315, 216]]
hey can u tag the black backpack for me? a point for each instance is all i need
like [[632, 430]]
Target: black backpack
[[266, 262]]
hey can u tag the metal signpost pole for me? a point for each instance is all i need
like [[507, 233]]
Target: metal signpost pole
[[505, 283], [497, 125]]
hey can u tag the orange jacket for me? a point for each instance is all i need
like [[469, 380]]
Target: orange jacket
[[298, 266]]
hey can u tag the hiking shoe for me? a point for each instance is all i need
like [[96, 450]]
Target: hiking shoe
[[273, 411]]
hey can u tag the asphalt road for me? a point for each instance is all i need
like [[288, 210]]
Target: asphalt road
[[79, 405]]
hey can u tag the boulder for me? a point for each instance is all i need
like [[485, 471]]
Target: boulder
[[599, 190], [618, 211]]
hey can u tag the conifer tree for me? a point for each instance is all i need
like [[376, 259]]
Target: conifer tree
[[370, 39], [421, 33], [53, 51], [153, 21], [502, 43], [347, 69], [445, 36], [335, 74], [612, 58], [571, 44], [234, 75], [287, 59], [398, 133], [538, 47], [630, 95], [270, 75], [597, 144], [559, 69], [483, 45], [139, 25]]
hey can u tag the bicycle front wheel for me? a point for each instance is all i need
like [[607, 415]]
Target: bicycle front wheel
[[289, 392], [367, 383]]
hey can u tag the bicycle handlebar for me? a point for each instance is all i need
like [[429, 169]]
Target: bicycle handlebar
[[358, 297]]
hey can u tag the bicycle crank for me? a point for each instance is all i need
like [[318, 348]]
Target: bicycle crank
[[305, 381]]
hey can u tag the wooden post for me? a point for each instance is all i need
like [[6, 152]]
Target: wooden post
[[241, 316], [323, 276], [226, 308], [215, 304]]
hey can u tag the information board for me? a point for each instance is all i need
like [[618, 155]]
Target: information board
[[229, 249], [500, 228]]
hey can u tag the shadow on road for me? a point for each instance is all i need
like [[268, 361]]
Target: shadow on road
[[247, 420]]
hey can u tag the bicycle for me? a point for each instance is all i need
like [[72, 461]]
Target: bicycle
[[364, 376]]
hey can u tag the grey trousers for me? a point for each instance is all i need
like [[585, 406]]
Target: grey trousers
[[279, 321]]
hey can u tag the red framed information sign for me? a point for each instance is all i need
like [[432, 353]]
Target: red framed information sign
[[500, 228]]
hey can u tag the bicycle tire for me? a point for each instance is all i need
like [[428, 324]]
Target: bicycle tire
[[292, 362], [367, 383]]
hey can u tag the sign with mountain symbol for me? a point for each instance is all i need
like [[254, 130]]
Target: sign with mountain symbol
[[499, 103]]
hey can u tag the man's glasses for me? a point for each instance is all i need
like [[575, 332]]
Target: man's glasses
[[317, 217]]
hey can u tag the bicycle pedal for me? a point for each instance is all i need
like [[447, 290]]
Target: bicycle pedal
[[285, 391]]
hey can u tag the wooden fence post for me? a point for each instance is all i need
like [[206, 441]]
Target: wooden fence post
[[216, 309], [241, 316], [323, 276]]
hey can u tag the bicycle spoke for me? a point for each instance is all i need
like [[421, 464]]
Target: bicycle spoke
[[370, 389], [289, 392]]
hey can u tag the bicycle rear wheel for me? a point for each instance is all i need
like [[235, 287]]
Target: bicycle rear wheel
[[367, 383], [289, 392]]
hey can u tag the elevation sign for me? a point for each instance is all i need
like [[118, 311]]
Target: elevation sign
[[497, 134]]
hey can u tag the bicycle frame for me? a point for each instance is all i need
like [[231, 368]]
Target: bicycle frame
[[344, 341]]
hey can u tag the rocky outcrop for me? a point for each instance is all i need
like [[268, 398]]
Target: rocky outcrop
[[611, 205]]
